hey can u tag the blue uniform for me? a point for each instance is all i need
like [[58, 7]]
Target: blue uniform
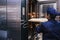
[[50, 30]]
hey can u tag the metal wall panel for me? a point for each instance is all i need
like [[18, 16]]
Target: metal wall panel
[[3, 14], [3, 25], [13, 18]]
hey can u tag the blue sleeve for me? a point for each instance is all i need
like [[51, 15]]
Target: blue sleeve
[[38, 29]]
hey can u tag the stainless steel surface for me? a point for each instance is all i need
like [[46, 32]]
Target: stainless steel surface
[[10, 13]]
